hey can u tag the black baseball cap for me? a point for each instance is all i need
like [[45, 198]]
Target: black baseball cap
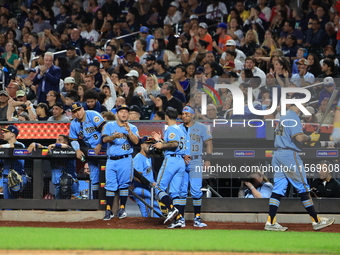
[[146, 139], [76, 106], [135, 108], [150, 57], [60, 105], [123, 106], [11, 128], [199, 70], [94, 63]]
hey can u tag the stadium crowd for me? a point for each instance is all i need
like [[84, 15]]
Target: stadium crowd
[[154, 54]]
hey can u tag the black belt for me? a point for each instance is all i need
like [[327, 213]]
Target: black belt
[[119, 157], [174, 155]]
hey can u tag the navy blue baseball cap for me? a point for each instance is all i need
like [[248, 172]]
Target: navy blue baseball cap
[[11, 128], [76, 106], [146, 139], [123, 106], [199, 70]]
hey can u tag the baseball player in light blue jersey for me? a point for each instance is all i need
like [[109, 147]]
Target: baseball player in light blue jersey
[[289, 167], [173, 167], [120, 137], [142, 163], [59, 166], [87, 125], [196, 135], [10, 136]]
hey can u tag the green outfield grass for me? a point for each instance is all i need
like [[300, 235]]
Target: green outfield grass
[[169, 240]]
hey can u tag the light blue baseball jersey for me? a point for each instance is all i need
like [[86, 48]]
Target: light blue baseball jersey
[[143, 165], [16, 164], [285, 133], [87, 130], [175, 134], [195, 136], [119, 146]]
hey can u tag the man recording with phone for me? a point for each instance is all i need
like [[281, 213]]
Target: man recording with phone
[[255, 185]]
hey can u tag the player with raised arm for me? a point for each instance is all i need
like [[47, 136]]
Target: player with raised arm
[[87, 125], [120, 137], [196, 135], [288, 139], [173, 167]]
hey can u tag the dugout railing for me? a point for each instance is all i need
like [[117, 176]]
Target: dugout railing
[[226, 204]]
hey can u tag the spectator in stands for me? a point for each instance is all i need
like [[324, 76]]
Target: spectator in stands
[[42, 112], [156, 16], [219, 44], [159, 116], [47, 78], [161, 73], [182, 83], [149, 65], [303, 77], [131, 24], [190, 68], [174, 54], [11, 57], [4, 97], [203, 35], [325, 185], [3, 23], [329, 86], [280, 5], [128, 94], [168, 90], [72, 58], [278, 22], [250, 64], [249, 43], [265, 10], [33, 40], [215, 11], [330, 35], [230, 56], [76, 40], [328, 70], [289, 29], [52, 98], [39, 25], [322, 16], [314, 65], [159, 48], [111, 51], [329, 119], [141, 50], [89, 82], [134, 113], [315, 35], [197, 7], [256, 22], [290, 47], [126, 64], [239, 6], [13, 24], [198, 56], [211, 113], [174, 15], [92, 103], [255, 186], [58, 113], [93, 69], [168, 31], [109, 89], [311, 118], [152, 88]]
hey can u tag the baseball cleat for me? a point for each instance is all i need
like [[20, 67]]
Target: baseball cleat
[[171, 215], [179, 223], [274, 227], [122, 213], [108, 215], [199, 223], [324, 222]]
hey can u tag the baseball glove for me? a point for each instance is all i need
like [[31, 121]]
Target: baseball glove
[[14, 178]]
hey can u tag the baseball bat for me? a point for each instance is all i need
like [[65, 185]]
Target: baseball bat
[[328, 108], [145, 203]]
